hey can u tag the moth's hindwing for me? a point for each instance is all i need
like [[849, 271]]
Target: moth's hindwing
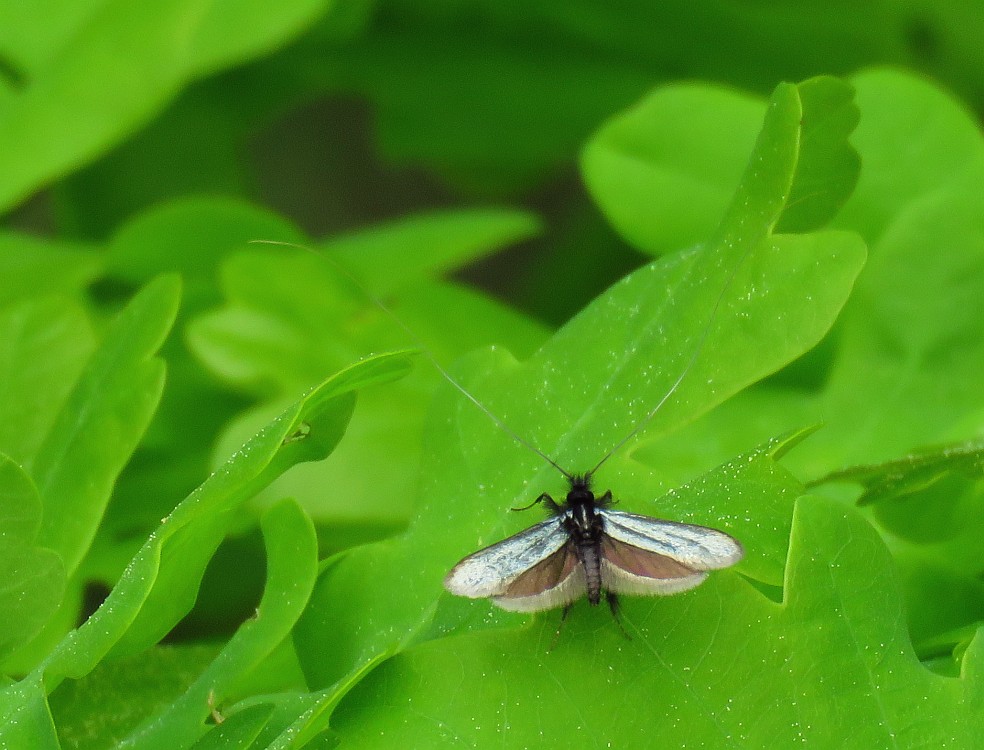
[[553, 582]]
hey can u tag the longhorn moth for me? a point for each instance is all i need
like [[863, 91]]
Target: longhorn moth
[[585, 548]]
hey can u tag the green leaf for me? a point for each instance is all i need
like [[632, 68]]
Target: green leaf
[[150, 596], [33, 577], [31, 267], [902, 370], [715, 320], [160, 698], [828, 166], [931, 504], [101, 70], [291, 316], [665, 170], [113, 699], [731, 668], [79, 97], [910, 474], [308, 431], [904, 374], [190, 236], [46, 343], [231, 34], [291, 571], [158, 585], [905, 114], [100, 424], [394, 256], [25, 722], [238, 729]]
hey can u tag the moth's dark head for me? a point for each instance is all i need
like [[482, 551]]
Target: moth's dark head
[[580, 482], [580, 492]]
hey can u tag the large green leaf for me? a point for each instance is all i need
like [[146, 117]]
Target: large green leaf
[[720, 318], [831, 666], [900, 376]]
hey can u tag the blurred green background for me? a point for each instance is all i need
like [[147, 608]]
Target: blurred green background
[[342, 114]]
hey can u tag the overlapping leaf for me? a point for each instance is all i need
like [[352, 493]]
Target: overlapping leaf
[[587, 387]]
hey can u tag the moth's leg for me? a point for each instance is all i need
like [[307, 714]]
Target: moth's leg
[[560, 626], [606, 499], [546, 500], [613, 606]]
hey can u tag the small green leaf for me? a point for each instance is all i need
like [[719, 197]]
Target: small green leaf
[[46, 343], [101, 422], [238, 730], [31, 267], [394, 256], [895, 479], [32, 579], [828, 165], [291, 569], [666, 170]]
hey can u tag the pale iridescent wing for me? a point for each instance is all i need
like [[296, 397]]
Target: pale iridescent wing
[[491, 571], [647, 556]]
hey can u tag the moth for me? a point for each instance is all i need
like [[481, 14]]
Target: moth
[[588, 548]]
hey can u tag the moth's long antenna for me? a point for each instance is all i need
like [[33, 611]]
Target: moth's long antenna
[[683, 373], [423, 349]]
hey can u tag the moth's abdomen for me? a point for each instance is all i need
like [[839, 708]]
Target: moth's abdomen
[[590, 556]]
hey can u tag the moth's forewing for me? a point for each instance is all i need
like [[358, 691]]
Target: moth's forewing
[[650, 557], [697, 547], [491, 571]]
